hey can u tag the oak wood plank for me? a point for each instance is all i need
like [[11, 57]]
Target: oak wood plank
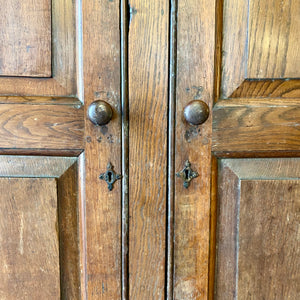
[[195, 80], [148, 101], [249, 126], [41, 127], [274, 39], [29, 246], [25, 38], [101, 73]]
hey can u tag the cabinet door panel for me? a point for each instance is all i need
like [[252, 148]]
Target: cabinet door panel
[[258, 220], [256, 116], [39, 228]]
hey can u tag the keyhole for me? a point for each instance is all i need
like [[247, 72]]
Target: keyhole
[[186, 172], [109, 175]]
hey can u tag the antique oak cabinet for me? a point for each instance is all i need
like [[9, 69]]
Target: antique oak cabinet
[[149, 205]]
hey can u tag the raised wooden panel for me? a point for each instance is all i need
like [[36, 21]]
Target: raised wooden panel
[[25, 38], [259, 42], [45, 37], [269, 247], [39, 207], [29, 248], [251, 126], [257, 236], [273, 41]]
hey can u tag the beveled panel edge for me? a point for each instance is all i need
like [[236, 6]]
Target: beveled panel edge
[[264, 168], [268, 88], [34, 166], [226, 265], [35, 100]]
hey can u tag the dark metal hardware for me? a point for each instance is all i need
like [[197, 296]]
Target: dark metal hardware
[[100, 112], [187, 174], [110, 176], [196, 112]]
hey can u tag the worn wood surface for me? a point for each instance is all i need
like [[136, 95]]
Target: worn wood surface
[[247, 125], [68, 225], [41, 127], [34, 166], [148, 100], [25, 38], [234, 45], [195, 79], [267, 48], [29, 247], [101, 71], [258, 252], [226, 247], [75, 102], [274, 39], [268, 89], [269, 248], [60, 55]]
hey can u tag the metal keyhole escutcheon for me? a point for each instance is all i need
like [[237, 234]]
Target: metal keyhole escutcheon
[[187, 174], [110, 176]]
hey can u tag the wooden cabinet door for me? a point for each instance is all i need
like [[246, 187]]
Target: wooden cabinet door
[[256, 140], [231, 232]]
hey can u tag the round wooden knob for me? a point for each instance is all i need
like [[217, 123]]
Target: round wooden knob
[[100, 112], [196, 112]]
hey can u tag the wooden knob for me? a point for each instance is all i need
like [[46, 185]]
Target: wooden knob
[[196, 112], [100, 112]]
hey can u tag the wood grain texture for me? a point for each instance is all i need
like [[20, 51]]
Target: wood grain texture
[[269, 248], [41, 126], [249, 126], [65, 169], [63, 56], [195, 80], [25, 38], [40, 100], [258, 216], [148, 100], [101, 72], [234, 45], [274, 39], [34, 166], [28, 240], [68, 223], [268, 89], [259, 42], [226, 243]]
